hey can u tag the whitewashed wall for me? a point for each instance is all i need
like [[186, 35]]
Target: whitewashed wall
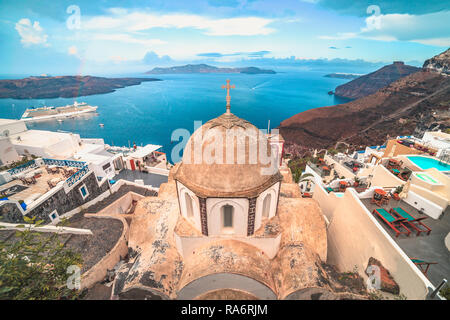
[[354, 236]]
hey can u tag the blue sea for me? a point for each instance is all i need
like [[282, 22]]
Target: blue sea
[[150, 112]]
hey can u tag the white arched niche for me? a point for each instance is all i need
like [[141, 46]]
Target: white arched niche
[[266, 205], [227, 217], [189, 205]]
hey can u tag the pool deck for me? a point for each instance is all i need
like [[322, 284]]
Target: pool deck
[[430, 248]]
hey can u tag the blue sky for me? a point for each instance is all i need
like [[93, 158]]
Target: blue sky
[[117, 36]]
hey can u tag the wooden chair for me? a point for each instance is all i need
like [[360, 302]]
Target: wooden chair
[[394, 223], [422, 265], [414, 223]]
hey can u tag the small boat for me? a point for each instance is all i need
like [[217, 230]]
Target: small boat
[[101, 125]]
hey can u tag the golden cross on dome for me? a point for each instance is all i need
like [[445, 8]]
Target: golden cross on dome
[[228, 87]]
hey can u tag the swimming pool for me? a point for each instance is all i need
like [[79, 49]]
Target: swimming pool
[[427, 163]]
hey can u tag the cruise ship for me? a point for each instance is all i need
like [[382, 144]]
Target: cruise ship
[[46, 113]]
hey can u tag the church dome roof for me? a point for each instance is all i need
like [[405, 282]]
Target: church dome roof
[[228, 157]]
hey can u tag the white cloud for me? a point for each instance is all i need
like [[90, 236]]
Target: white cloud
[[122, 37], [121, 19], [432, 28], [30, 33]]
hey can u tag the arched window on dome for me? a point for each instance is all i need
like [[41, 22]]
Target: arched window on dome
[[189, 208], [266, 206], [227, 218]]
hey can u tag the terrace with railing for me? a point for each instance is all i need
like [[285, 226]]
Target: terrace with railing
[[30, 164], [37, 177]]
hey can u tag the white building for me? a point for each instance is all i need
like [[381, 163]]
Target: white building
[[16, 140], [437, 139], [8, 153]]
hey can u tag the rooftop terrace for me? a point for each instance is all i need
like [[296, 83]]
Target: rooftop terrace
[[150, 179], [35, 183], [430, 248]]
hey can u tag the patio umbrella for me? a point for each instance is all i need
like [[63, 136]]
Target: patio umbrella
[[405, 190]]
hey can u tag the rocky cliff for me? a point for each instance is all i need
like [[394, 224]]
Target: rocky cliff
[[439, 63], [419, 100], [372, 82]]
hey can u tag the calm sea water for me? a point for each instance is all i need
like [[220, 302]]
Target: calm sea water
[[150, 112]]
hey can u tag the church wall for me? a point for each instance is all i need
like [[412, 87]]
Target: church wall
[[186, 245], [273, 191], [240, 216], [225, 281], [182, 190]]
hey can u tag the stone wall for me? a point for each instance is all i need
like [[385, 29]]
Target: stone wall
[[203, 214], [9, 212], [63, 202], [251, 216]]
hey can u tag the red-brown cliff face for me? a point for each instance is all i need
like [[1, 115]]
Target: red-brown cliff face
[[419, 100], [372, 82]]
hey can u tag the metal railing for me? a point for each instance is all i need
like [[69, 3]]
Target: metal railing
[[23, 167], [64, 163], [77, 176]]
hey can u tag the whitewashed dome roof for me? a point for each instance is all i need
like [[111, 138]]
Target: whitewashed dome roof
[[227, 174]]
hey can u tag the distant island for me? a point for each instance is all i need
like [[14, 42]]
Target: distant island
[[41, 87], [204, 68], [343, 75]]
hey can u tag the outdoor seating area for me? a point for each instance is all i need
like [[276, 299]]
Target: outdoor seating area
[[65, 171], [380, 197], [417, 146], [354, 166], [396, 168], [37, 181], [396, 224], [416, 233], [154, 158], [394, 164], [412, 222]]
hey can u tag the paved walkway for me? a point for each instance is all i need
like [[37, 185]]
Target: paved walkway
[[430, 248], [150, 179], [118, 194]]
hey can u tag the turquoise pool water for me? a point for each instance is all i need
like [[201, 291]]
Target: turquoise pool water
[[427, 163]]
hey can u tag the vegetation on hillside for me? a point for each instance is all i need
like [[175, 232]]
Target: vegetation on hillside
[[35, 266]]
